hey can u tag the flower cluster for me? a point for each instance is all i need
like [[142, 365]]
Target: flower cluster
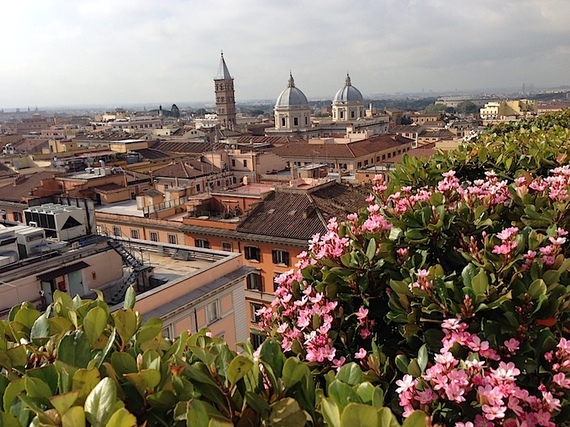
[[482, 384], [305, 321]]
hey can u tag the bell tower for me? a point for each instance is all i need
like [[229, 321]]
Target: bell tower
[[225, 96]]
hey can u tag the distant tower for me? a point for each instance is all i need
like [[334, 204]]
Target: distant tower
[[225, 96]]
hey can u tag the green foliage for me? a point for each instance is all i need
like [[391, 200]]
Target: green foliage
[[77, 364]]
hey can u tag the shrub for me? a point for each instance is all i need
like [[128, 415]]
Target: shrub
[[77, 364], [478, 238]]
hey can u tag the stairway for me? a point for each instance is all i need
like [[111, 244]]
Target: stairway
[[137, 268]]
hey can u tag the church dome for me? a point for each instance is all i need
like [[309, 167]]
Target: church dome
[[291, 96], [348, 93]]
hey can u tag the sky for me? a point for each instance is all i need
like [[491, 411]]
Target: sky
[[125, 52]]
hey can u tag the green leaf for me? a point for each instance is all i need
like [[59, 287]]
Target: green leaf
[[239, 366], [85, 381], [100, 402], [149, 330], [126, 323], [293, 371], [18, 355], [130, 298], [74, 417], [357, 414], [371, 249], [287, 413], [350, 374], [365, 391], [271, 354], [416, 419], [343, 394], [41, 327], [144, 380], [27, 316], [123, 363], [63, 402], [74, 349], [12, 391], [95, 323], [402, 363], [257, 403], [37, 389], [122, 418], [107, 348], [480, 283], [537, 288], [330, 412], [48, 374], [423, 357]]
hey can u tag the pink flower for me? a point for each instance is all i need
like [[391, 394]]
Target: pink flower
[[512, 345], [361, 354], [361, 314]]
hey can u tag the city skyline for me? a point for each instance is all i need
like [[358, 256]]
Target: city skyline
[[102, 52]]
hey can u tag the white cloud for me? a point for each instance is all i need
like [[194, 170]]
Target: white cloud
[[102, 51]]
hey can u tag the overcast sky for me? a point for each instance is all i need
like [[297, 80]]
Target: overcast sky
[[121, 52]]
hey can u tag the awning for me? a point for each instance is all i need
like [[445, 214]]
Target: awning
[[50, 275]]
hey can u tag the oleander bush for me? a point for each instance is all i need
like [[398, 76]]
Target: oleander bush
[[452, 289]]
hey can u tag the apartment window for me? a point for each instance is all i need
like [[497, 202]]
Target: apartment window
[[306, 121], [166, 186], [256, 339], [227, 246], [172, 239], [17, 216], [254, 308], [252, 253], [153, 236], [383, 156], [233, 163], [202, 243], [197, 188], [253, 282], [245, 163], [116, 230], [282, 121], [280, 257], [296, 121], [342, 114], [134, 234], [212, 312], [359, 165], [352, 114]]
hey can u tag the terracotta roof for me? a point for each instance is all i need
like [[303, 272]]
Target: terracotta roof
[[185, 169], [5, 171], [300, 215], [22, 190], [151, 153], [105, 188], [338, 150], [184, 146], [276, 140]]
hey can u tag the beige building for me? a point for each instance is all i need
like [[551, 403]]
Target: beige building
[[187, 288], [508, 109]]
